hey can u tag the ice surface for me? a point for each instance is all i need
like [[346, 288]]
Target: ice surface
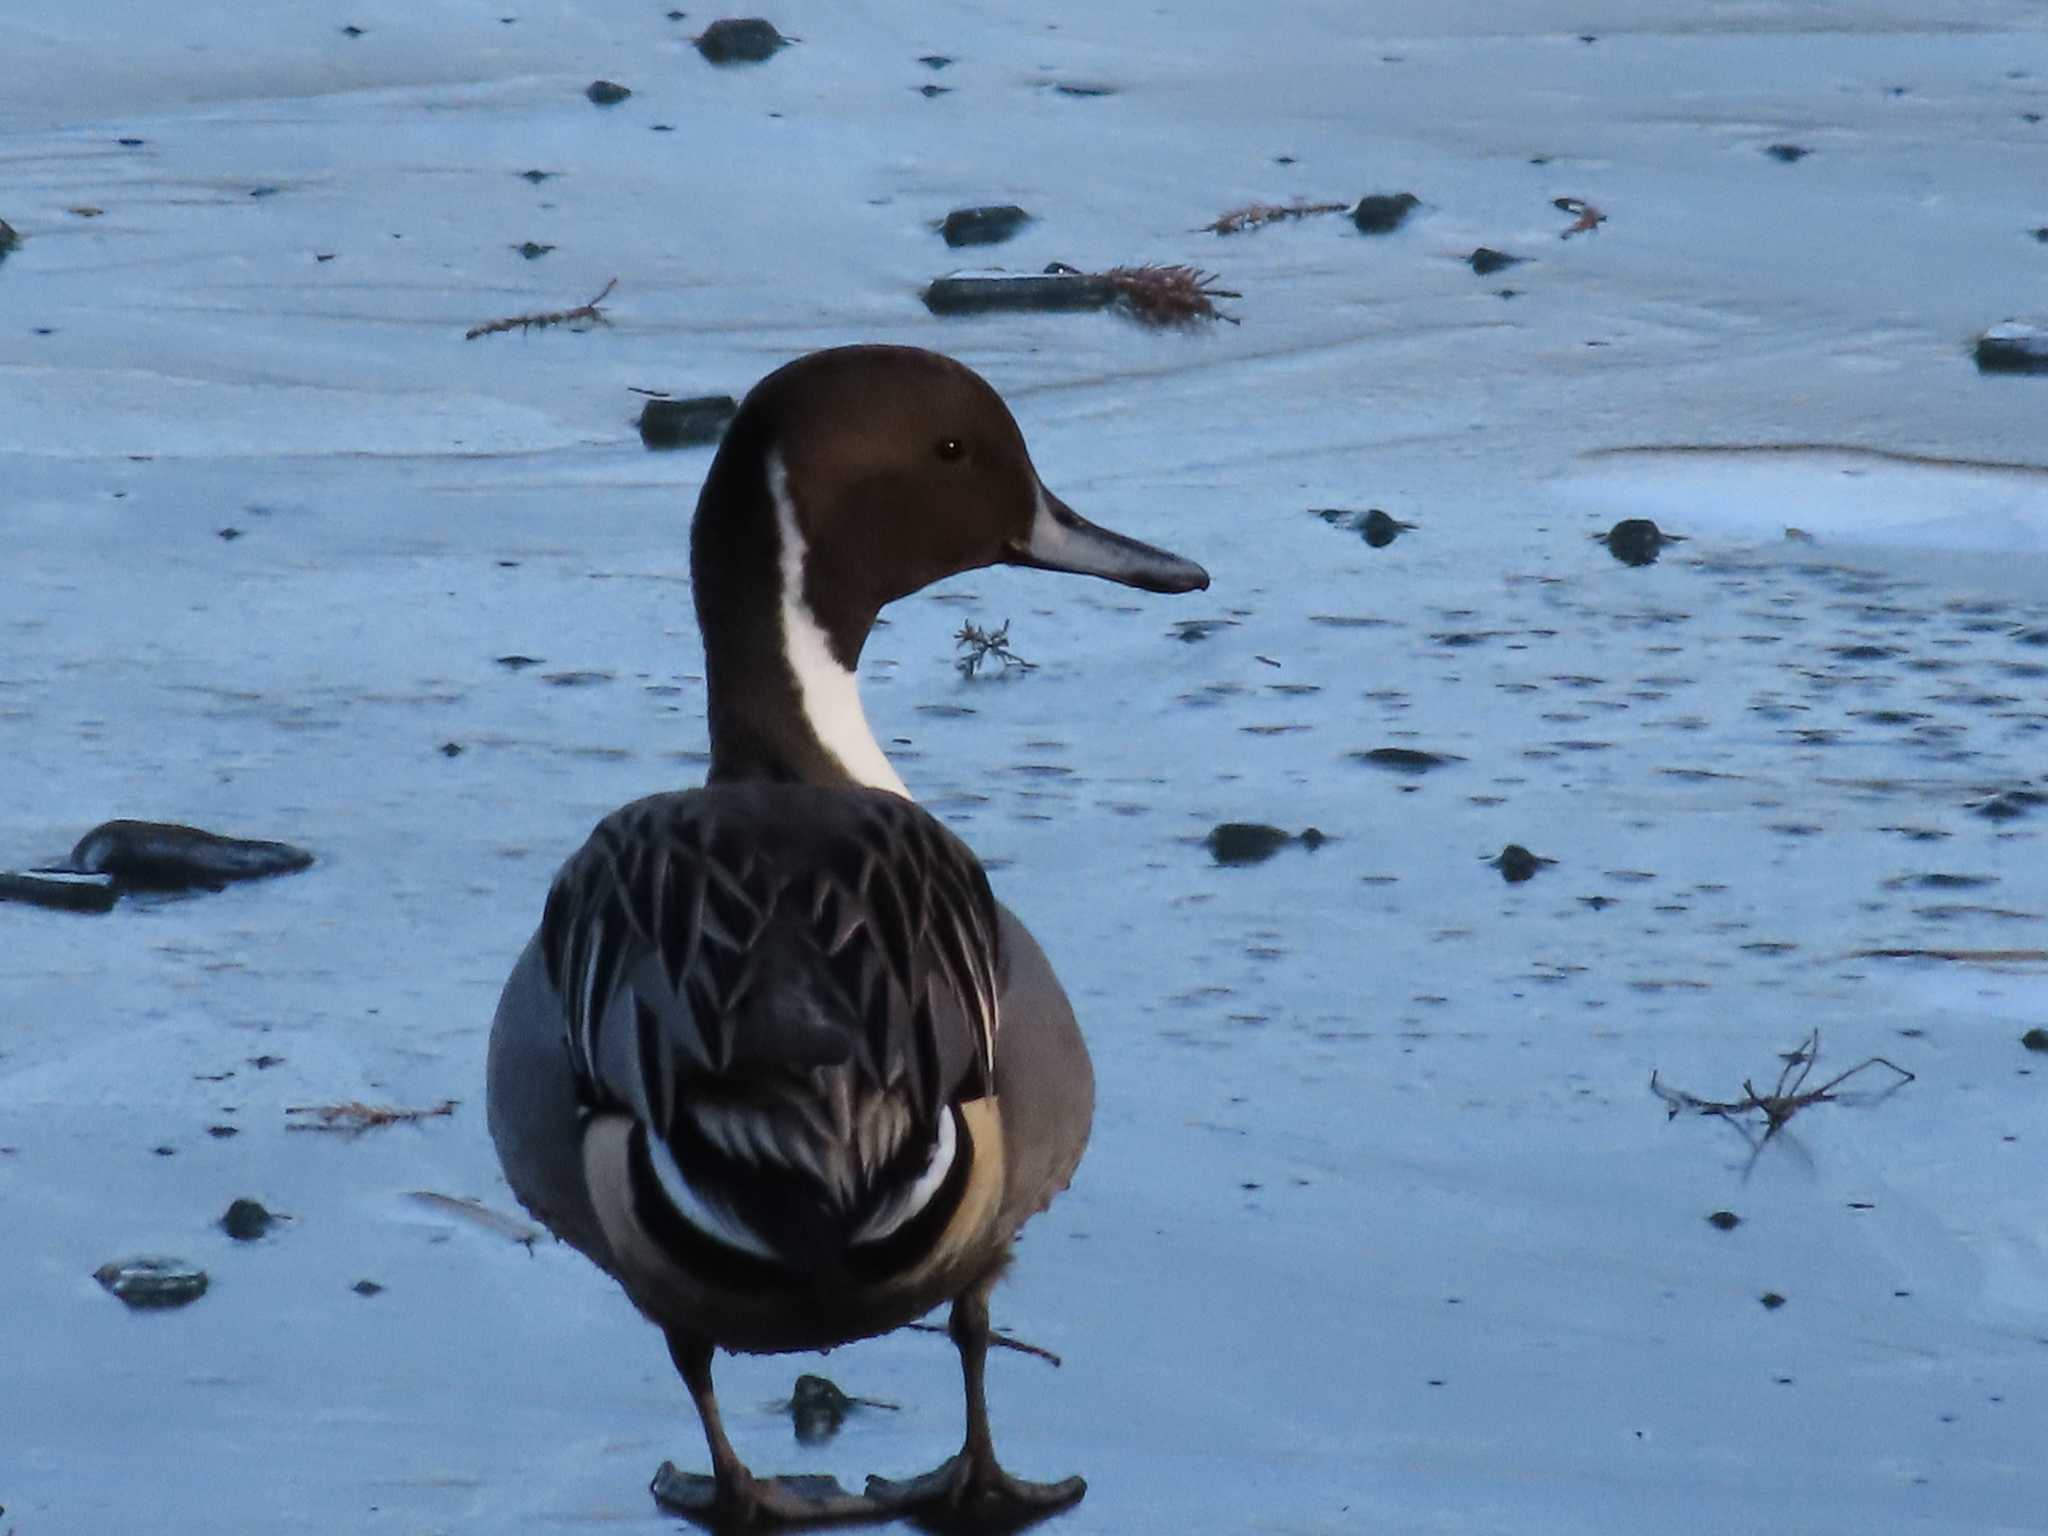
[[1382, 1229]]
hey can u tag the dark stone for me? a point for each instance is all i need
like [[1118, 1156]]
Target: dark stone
[[1724, 1221], [247, 1220], [1517, 863], [227, 535], [686, 423], [351, 30], [2016, 346], [265, 191], [1382, 213], [1084, 88], [1771, 1300], [536, 177], [1486, 260], [1402, 759], [983, 226], [2035, 1039], [934, 60], [450, 749], [1791, 154], [61, 890], [1379, 530], [153, 1284], [131, 143], [163, 856], [928, 92], [741, 40], [8, 239], [606, 93], [367, 1288], [1246, 842], [532, 250], [818, 1408], [1313, 838], [1637, 541], [1052, 292], [518, 663]]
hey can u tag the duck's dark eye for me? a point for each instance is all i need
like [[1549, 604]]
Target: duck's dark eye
[[950, 449]]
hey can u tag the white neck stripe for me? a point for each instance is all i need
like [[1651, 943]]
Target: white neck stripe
[[827, 692]]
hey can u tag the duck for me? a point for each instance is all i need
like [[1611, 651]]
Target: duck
[[775, 1057]]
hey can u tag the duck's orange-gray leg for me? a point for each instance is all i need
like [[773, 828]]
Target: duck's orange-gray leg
[[732, 1499]]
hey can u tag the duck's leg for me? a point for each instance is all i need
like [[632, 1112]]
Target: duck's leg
[[971, 1490], [732, 1498]]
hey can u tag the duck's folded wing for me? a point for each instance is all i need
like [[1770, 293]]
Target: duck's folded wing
[[789, 991]]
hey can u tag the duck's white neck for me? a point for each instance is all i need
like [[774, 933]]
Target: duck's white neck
[[827, 692]]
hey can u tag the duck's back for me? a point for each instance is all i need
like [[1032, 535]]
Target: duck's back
[[805, 1021]]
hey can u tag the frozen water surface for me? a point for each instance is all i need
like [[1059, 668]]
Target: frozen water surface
[[1382, 1229]]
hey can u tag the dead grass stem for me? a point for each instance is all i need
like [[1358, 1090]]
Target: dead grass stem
[[352, 1117], [586, 313]]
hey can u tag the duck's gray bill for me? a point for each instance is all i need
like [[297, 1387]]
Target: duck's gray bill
[[1062, 539]]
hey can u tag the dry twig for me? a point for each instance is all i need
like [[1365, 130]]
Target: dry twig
[[1787, 1097], [352, 1117], [587, 313], [1000, 1340], [1172, 295], [980, 644], [1258, 215]]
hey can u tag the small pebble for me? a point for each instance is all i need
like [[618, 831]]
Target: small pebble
[[1486, 260], [741, 40], [247, 1220], [818, 1408], [147, 1283], [1637, 541], [1791, 154], [2014, 346], [686, 423], [1725, 1221], [61, 890], [1246, 842], [367, 1288], [1379, 530], [606, 93], [1402, 759], [1383, 212], [2035, 1039], [164, 856], [1517, 863], [1771, 1300], [991, 225], [532, 250]]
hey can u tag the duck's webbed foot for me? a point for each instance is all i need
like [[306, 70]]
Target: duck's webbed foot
[[971, 1492], [732, 1499], [740, 1501]]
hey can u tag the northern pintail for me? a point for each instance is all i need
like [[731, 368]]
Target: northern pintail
[[777, 1059]]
